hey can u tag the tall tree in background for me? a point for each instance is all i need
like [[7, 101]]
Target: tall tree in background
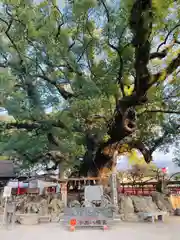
[[107, 71]]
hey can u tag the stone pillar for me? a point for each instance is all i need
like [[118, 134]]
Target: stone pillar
[[114, 179], [114, 193], [64, 193]]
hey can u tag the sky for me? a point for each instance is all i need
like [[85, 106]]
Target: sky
[[60, 2], [160, 159]]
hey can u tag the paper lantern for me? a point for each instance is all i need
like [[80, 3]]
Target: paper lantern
[[164, 170]]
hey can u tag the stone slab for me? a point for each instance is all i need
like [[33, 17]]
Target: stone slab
[[152, 216], [28, 219], [93, 193]]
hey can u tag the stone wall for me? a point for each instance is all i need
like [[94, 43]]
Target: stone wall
[[129, 206], [42, 205]]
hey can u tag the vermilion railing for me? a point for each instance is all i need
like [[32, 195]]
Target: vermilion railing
[[144, 191]]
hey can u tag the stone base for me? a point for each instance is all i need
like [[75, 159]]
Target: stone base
[[130, 217], [30, 219], [44, 219]]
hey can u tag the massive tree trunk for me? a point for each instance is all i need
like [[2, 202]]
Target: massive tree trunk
[[123, 123]]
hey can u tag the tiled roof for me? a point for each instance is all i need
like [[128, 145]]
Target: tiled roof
[[6, 168]]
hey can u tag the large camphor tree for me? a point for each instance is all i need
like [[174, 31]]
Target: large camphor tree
[[88, 80]]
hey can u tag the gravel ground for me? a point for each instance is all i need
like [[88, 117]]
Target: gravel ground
[[126, 231]]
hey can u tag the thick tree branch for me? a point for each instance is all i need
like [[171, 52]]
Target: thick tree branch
[[66, 95], [30, 126], [123, 121], [23, 125], [166, 72], [96, 117], [119, 52], [168, 111], [143, 149], [162, 111], [9, 25], [141, 26], [53, 140], [84, 50], [159, 141], [159, 55], [59, 24], [163, 53], [169, 33]]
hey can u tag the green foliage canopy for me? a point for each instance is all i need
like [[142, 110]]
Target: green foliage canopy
[[78, 62]]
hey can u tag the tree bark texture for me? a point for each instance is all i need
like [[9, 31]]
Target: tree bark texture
[[123, 123]]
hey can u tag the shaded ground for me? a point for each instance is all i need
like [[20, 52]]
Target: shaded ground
[[170, 230]]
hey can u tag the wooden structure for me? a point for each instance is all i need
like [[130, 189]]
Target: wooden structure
[[7, 172], [7, 169], [128, 188], [96, 209], [76, 185]]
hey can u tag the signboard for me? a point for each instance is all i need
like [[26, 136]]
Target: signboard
[[87, 216], [7, 192], [90, 223], [93, 193]]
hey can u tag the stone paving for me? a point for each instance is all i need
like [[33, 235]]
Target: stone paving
[[126, 231]]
